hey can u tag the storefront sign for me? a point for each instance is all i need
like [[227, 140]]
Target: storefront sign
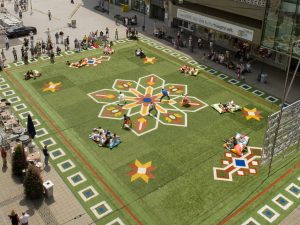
[[218, 25]]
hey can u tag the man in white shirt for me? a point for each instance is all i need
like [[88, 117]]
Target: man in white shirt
[[24, 218], [121, 99]]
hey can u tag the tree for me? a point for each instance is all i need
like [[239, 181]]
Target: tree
[[19, 162], [33, 183]]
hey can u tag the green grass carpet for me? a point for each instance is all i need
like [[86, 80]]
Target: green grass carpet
[[184, 190]]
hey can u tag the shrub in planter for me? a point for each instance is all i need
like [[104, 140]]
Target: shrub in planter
[[19, 162], [33, 183]]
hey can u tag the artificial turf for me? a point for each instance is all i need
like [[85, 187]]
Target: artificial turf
[[183, 190]]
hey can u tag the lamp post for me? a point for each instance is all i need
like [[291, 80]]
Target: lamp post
[[144, 15], [108, 6], [286, 91]]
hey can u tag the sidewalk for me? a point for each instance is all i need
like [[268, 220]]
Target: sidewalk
[[276, 77], [61, 209]]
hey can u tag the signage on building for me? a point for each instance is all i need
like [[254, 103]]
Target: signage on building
[[260, 3], [217, 25]]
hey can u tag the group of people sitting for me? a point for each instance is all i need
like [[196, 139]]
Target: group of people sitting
[[140, 53], [104, 138], [189, 70], [159, 33], [108, 50], [228, 106], [32, 74], [237, 144]]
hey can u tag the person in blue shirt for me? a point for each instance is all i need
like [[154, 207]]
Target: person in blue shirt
[[165, 93]]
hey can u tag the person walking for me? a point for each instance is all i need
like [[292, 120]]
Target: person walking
[[107, 32], [152, 107], [14, 52], [14, 218], [2, 54], [61, 35], [49, 15], [6, 43], [121, 98], [165, 93], [24, 218], [46, 155], [116, 34], [56, 37], [4, 157], [20, 14]]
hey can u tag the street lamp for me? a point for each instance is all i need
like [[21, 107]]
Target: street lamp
[[144, 15], [286, 91], [108, 6]]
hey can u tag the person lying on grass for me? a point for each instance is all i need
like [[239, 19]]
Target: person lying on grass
[[188, 70], [226, 107], [32, 74]]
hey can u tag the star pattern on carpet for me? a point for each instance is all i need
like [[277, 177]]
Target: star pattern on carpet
[[51, 86], [252, 114], [150, 60], [143, 171]]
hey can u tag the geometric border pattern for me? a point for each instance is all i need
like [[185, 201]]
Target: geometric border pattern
[[88, 198], [58, 156], [98, 216], [53, 142], [72, 165], [250, 221], [292, 193], [79, 182], [117, 220], [276, 214], [285, 207]]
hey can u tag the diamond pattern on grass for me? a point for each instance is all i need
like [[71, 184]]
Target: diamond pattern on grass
[[76, 179], [88, 193], [101, 210], [116, 221], [66, 165], [294, 190], [268, 213], [24, 115], [8, 93], [57, 153], [49, 142], [250, 221], [282, 201]]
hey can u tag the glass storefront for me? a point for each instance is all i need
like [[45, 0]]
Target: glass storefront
[[121, 2], [282, 27], [138, 5]]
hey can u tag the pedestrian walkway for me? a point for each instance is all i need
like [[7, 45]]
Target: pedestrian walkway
[[63, 208], [276, 77]]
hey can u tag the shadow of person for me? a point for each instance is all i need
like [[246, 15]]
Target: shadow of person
[[47, 168], [4, 169]]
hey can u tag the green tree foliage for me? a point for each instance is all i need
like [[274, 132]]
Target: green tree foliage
[[19, 162], [33, 183]]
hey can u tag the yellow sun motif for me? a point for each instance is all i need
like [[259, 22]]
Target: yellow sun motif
[[52, 86], [139, 170], [151, 60], [252, 114]]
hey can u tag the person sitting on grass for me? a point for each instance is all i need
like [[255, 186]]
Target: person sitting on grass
[[58, 50], [140, 53], [114, 141], [185, 102], [230, 143], [108, 50], [127, 123]]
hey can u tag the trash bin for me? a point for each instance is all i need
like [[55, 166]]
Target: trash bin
[[48, 186]]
